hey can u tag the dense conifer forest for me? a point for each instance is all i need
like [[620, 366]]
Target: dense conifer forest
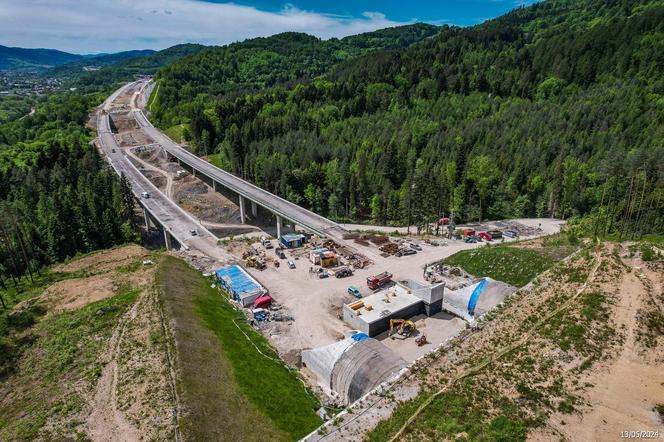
[[551, 110], [58, 197]]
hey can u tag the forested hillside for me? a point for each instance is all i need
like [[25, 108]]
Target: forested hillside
[[21, 59], [254, 64], [551, 110], [127, 69], [58, 196], [77, 68]]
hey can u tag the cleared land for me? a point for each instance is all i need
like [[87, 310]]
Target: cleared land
[[552, 363], [83, 353], [232, 385], [541, 369]]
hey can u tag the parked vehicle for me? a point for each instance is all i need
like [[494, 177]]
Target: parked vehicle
[[443, 221], [495, 234], [485, 236], [280, 253], [145, 195], [266, 242], [343, 273], [510, 234], [193, 232], [263, 301], [377, 281], [468, 232], [415, 247], [354, 291], [471, 239], [405, 252], [291, 264]]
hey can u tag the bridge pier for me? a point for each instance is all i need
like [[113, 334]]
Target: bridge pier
[[242, 214], [167, 239], [146, 217], [254, 209], [278, 227], [214, 185]]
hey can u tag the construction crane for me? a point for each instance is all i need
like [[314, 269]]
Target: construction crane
[[405, 327]]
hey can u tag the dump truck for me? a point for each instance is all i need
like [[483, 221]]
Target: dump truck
[[377, 281]]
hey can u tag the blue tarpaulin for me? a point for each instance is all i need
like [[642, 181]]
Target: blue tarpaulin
[[236, 280], [359, 337], [475, 296]]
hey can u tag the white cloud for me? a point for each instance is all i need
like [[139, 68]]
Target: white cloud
[[116, 25]]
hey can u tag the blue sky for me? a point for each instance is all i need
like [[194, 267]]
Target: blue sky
[[458, 12], [92, 26]]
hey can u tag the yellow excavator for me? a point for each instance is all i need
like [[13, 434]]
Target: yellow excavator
[[405, 327]]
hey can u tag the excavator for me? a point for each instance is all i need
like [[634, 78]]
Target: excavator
[[256, 262], [405, 327]]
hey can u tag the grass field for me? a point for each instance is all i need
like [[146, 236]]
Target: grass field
[[153, 97], [229, 389], [46, 359], [175, 132], [513, 263], [505, 263]]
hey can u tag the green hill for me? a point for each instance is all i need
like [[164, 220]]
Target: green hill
[[550, 110], [128, 68], [95, 62], [33, 59], [257, 63]]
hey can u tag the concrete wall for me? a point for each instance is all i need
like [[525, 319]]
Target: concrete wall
[[356, 322], [383, 324]]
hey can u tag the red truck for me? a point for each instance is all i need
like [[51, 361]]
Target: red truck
[[486, 236], [376, 282]]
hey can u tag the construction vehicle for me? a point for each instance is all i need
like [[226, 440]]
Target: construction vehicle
[[377, 281], [495, 234], [254, 261], [485, 236], [405, 327]]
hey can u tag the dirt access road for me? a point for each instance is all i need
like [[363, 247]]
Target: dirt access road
[[626, 387]]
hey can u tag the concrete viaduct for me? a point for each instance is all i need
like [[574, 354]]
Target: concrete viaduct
[[176, 223], [282, 209]]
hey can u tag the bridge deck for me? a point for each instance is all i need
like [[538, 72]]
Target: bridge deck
[[300, 216]]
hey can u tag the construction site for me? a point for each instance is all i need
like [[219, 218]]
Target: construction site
[[349, 312]]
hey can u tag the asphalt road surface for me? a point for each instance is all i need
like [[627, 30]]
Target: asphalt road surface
[[164, 211]]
